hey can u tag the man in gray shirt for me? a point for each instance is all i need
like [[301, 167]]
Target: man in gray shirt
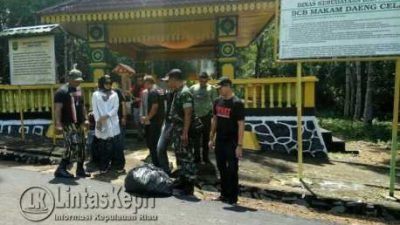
[[203, 96]]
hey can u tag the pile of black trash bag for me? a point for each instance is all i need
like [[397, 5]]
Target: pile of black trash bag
[[148, 180]]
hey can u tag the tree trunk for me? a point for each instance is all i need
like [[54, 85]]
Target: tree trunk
[[367, 117], [352, 90], [347, 100], [66, 38], [358, 105], [260, 45]]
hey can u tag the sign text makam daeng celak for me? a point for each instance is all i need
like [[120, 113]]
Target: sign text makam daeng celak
[[310, 8]]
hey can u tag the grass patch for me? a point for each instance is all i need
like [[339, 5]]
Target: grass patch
[[351, 130]]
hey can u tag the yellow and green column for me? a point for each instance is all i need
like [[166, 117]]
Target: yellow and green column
[[227, 30], [98, 54]]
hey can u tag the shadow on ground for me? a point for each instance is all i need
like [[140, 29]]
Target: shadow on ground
[[292, 157], [240, 209], [65, 181]]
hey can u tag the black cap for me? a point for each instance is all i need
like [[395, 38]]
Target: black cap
[[203, 75], [173, 74], [223, 81]]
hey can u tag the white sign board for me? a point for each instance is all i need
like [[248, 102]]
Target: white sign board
[[312, 29], [32, 60]]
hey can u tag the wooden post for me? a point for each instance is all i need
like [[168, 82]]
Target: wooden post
[[263, 96], [280, 87], [246, 96], [309, 94], [21, 112], [288, 95], [271, 96], [254, 96]]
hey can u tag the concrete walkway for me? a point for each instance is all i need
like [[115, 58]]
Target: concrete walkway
[[16, 201]]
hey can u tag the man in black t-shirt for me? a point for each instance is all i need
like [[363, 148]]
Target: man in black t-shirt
[[70, 113], [228, 126], [155, 116]]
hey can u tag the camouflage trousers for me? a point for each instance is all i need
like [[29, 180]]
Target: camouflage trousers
[[184, 156], [74, 138]]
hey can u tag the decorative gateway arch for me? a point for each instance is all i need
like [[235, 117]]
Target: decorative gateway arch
[[149, 30]]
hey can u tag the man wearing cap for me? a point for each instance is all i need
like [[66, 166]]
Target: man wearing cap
[[228, 126], [181, 114], [203, 94], [70, 113]]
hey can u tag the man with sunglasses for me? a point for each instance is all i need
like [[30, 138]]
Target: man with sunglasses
[[227, 127]]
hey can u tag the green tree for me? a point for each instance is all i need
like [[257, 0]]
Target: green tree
[[257, 60], [22, 12]]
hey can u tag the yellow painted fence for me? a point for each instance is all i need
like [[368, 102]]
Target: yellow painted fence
[[270, 93], [33, 98], [263, 93], [277, 92]]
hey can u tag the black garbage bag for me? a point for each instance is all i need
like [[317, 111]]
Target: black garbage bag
[[148, 180]]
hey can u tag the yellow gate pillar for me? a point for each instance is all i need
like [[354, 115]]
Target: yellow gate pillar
[[99, 54], [226, 50]]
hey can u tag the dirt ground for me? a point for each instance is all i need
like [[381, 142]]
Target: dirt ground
[[359, 177], [369, 153]]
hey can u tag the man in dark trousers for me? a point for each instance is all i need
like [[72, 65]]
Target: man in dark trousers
[[154, 118], [181, 114], [203, 95], [228, 126], [70, 113], [166, 134]]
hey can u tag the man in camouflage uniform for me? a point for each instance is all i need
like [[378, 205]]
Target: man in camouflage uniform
[[181, 114], [70, 113]]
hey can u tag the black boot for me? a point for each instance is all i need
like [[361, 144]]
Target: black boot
[[178, 184], [61, 171], [188, 189], [80, 171]]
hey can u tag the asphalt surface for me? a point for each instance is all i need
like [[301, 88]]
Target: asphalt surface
[[26, 197]]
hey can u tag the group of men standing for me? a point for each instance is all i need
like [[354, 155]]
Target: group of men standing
[[192, 120]]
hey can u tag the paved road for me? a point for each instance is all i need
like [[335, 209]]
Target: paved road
[[59, 193]]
